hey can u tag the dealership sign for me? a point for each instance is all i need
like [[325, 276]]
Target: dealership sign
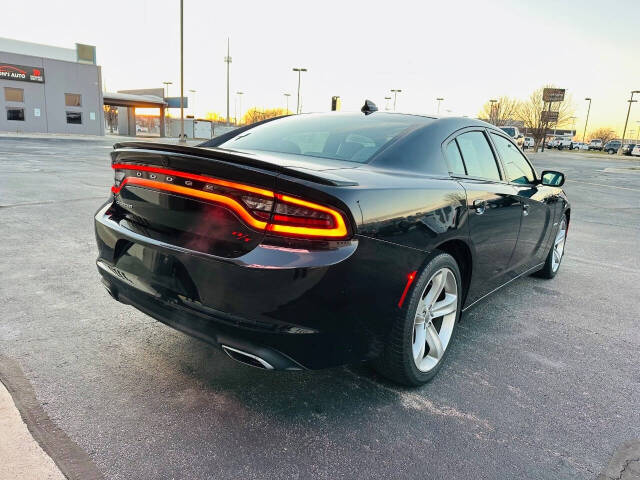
[[553, 95], [21, 73]]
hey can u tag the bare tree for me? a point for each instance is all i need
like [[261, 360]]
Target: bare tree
[[530, 113], [501, 112], [254, 114], [111, 116], [605, 134]]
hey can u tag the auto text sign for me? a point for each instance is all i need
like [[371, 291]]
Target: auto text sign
[[553, 94], [549, 117], [21, 73]]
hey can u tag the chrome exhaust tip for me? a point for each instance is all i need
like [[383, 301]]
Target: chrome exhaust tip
[[247, 358]]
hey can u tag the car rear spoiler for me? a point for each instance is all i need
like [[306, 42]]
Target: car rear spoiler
[[238, 158]]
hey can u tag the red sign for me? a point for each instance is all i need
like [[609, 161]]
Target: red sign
[[21, 73]]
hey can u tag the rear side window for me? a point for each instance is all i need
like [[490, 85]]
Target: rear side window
[[456, 166], [516, 166], [477, 156]]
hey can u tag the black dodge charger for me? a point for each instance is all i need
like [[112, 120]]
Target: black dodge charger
[[316, 240]]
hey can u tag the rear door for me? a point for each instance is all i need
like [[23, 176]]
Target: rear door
[[538, 205], [494, 209]]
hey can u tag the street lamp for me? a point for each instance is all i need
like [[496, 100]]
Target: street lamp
[[587, 120], [193, 102], [624, 131], [286, 96], [239, 97], [227, 60], [299, 70], [439, 100], [166, 88], [395, 97], [638, 130], [182, 139]]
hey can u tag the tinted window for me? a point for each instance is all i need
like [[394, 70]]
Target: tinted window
[[74, 117], [337, 136], [15, 114], [516, 166], [510, 130], [477, 156], [455, 159]]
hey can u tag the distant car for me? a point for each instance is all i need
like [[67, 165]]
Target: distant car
[[595, 144], [563, 142], [579, 146], [612, 146], [628, 148], [529, 142], [636, 150], [514, 133]]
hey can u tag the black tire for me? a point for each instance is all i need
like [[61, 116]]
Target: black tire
[[397, 362], [547, 270]]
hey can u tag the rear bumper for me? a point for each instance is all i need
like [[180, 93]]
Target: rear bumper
[[293, 308]]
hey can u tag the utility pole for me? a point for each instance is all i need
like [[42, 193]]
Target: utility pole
[[624, 132], [182, 139], [299, 70], [587, 120], [439, 100], [227, 60], [638, 131], [395, 97], [286, 96]]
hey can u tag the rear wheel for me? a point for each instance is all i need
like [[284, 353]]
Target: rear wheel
[[424, 329], [552, 264]]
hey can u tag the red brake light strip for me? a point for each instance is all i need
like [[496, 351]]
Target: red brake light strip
[[339, 230]]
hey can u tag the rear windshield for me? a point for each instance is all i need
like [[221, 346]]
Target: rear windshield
[[350, 137], [510, 130]]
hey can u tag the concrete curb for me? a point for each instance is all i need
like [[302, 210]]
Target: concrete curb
[[72, 461], [624, 464]]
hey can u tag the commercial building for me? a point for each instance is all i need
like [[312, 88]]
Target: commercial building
[[50, 89]]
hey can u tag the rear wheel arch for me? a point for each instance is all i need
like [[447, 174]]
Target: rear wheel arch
[[461, 253]]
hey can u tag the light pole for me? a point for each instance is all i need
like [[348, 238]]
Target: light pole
[[386, 103], [299, 70], [439, 99], [624, 131], [492, 114], [227, 60], [573, 125], [193, 102], [395, 97], [239, 96], [166, 88], [182, 139], [286, 96], [638, 131], [587, 120]]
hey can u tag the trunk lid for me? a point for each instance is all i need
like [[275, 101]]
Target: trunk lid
[[208, 200]]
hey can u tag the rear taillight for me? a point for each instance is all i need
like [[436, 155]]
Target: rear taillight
[[259, 208]]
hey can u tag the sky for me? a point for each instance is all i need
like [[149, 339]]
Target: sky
[[463, 51]]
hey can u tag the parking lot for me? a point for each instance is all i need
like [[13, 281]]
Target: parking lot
[[542, 381]]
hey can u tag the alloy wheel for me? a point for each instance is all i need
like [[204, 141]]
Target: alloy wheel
[[435, 319], [558, 245]]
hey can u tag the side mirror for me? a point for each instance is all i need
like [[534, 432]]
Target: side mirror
[[552, 178], [520, 136]]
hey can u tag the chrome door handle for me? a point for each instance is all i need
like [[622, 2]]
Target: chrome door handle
[[480, 206], [525, 209]]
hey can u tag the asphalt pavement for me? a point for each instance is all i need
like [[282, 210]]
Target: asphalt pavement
[[542, 381]]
